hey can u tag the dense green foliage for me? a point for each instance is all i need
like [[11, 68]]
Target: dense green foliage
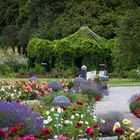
[[82, 47], [52, 20], [128, 47]]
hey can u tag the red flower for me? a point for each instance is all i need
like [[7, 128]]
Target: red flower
[[31, 108], [63, 107], [23, 82], [2, 133], [119, 131], [89, 131], [79, 102], [12, 130], [74, 109], [45, 131], [29, 137], [97, 98], [20, 124], [17, 101], [136, 112], [138, 98], [95, 125], [71, 101], [78, 124]]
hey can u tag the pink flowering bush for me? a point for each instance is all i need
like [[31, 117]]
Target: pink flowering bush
[[12, 91]]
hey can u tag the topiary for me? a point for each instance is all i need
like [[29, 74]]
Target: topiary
[[33, 78], [79, 81], [55, 85]]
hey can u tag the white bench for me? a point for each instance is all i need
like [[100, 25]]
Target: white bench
[[91, 74], [103, 76]]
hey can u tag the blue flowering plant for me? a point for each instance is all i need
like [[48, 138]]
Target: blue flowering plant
[[14, 113]]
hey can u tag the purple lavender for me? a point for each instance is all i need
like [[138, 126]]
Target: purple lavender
[[110, 118], [13, 113], [90, 86], [105, 92]]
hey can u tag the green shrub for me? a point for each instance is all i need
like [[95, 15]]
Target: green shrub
[[135, 105], [4, 69], [38, 68], [133, 74]]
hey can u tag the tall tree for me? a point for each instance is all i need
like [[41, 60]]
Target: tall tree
[[128, 48]]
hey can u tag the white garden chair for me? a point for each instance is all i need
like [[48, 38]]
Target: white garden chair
[[91, 74], [103, 76]]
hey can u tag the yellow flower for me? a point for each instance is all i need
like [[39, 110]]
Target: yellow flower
[[126, 133], [127, 122], [132, 135], [116, 125], [138, 131], [132, 129]]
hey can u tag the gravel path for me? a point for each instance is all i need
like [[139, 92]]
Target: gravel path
[[118, 101]]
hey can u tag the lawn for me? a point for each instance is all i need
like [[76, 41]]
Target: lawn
[[112, 82], [123, 82]]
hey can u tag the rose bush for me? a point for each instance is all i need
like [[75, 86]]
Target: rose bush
[[135, 105]]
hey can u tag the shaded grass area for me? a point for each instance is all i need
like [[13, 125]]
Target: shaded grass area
[[112, 82]]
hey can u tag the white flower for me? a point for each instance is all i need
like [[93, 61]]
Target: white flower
[[12, 95], [47, 112], [58, 125], [86, 122], [2, 89], [19, 92], [81, 122], [72, 116], [68, 122], [94, 117], [52, 109], [77, 115], [49, 117], [55, 137], [45, 122], [9, 87], [102, 121], [15, 90], [59, 110]]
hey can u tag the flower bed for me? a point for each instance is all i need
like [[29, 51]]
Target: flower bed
[[64, 122], [12, 91], [135, 105], [73, 121]]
